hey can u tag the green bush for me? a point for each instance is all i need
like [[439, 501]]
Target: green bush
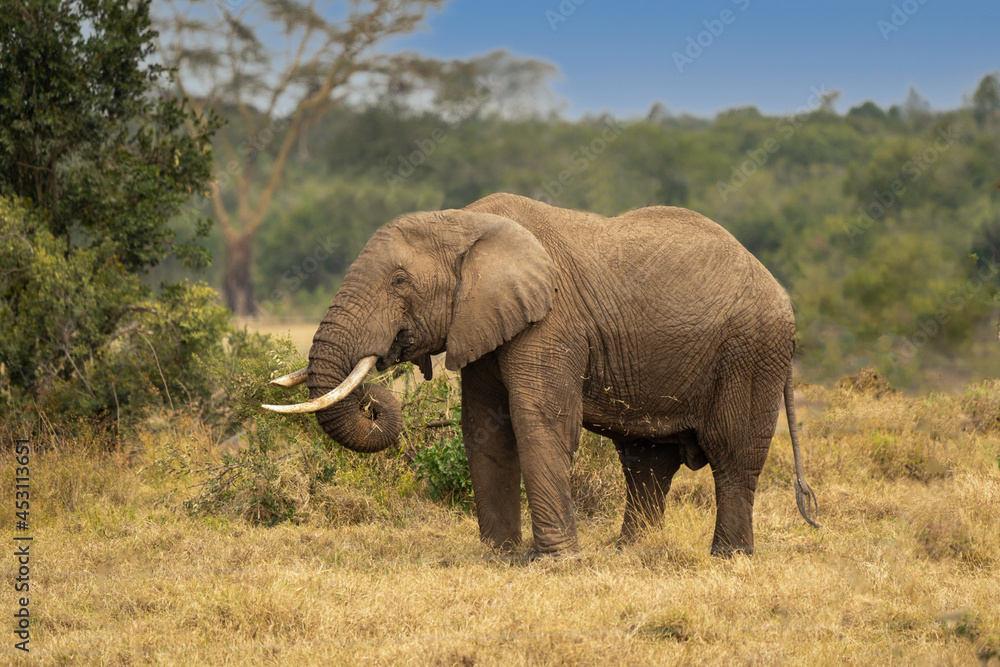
[[257, 483], [445, 469], [284, 467], [51, 302], [244, 369], [95, 165], [271, 475], [83, 338], [287, 469], [433, 437]]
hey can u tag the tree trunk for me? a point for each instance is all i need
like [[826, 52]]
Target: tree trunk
[[237, 285]]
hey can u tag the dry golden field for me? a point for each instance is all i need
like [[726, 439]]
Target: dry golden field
[[298, 330], [905, 570]]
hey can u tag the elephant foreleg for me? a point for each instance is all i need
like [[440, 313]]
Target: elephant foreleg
[[649, 469], [491, 449], [547, 461], [545, 382], [546, 440]]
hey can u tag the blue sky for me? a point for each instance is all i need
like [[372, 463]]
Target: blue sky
[[620, 56]]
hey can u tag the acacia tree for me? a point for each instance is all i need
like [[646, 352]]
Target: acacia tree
[[224, 58]]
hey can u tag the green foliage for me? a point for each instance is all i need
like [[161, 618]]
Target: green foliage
[[445, 469], [280, 467], [243, 373], [58, 304], [315, 235], [870, 219], [106, 162], [264, 480], [93, 165], [433, 438], [286, 468], [88, 340], [155, 359], [986, 100], [283, 467]]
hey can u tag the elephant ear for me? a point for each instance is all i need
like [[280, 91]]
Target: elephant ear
[[506, 281]]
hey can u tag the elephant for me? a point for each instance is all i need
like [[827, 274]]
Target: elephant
[[654, 328]]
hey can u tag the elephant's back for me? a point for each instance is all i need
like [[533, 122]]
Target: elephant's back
[[690, 250], [669, 255], [671, 296], [681, 230], [690, 283], [658, 260]]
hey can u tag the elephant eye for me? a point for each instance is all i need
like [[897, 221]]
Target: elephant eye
[[398, 279]]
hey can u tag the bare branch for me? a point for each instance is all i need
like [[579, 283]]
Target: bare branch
[[228, 63]]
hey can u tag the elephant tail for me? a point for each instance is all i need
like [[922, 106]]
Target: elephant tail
[[804, 496]]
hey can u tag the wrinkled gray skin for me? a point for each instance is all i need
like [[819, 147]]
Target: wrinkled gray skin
[[655, 328]]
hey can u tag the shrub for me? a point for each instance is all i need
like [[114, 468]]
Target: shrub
[[94, 167], [286, 468], [83, 339], [257, 484], [445, 469], [265, 481], [433, 440]]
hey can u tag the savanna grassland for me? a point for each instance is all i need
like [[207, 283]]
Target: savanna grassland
[[173, 522], [162, 550]]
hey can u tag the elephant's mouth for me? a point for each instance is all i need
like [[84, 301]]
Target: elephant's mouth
[[397, 351]]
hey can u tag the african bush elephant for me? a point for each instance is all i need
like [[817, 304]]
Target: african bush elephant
[[655, 328]]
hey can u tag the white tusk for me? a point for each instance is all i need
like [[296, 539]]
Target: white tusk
[[292, 379], [325, 401]]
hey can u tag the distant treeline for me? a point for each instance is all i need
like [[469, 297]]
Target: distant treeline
[[884, 225]]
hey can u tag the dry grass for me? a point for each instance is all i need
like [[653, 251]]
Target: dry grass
[[904, 570], [299, 331]]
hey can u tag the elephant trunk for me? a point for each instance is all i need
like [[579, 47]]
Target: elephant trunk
[[370, 419]]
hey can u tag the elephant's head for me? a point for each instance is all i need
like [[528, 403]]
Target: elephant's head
[[452, 281]]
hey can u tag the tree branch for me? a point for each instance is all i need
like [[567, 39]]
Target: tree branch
[[241, 72]]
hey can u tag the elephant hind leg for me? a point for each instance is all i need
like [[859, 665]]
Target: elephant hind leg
[[734, 498], [736, 444], [649, 469]]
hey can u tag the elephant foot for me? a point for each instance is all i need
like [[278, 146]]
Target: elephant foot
[[726, 551], [503, 546], [627, 538], [733, 514], [553, 556], [562, 548]]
